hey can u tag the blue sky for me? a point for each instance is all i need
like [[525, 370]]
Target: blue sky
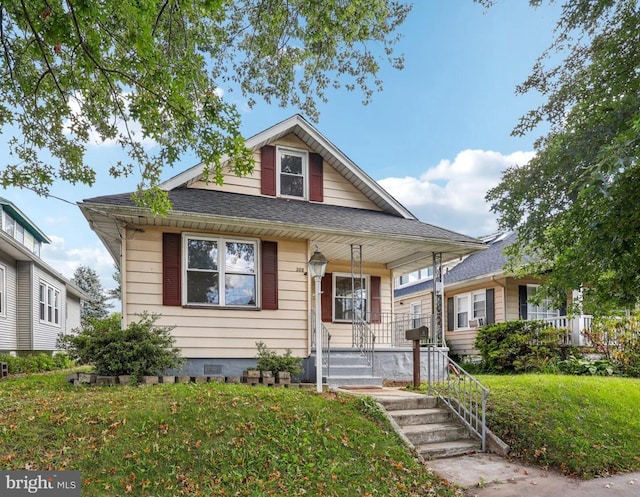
[[437, 137]]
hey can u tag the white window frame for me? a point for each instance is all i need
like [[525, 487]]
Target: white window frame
[[221, 271], [413, 277], [539, 312], [367, 287], [3, 291], [49, 304], [5, 224], [304, 155], [415, 308], [472, 314]]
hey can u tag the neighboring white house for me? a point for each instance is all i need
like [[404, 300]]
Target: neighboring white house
[[36, 302]]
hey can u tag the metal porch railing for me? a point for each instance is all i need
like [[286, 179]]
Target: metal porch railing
[[326, 344], [459, 390], [389, 328], [363, 338]]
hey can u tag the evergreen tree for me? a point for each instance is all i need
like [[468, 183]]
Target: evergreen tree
[[97, 305]]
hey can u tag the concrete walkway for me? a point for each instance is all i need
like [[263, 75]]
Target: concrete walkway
[[489, 475]]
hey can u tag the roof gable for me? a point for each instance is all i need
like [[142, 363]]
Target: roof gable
[[317, 142]]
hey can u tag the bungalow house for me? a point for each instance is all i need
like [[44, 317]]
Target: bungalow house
[[36, 302], [227, 266], [478, 291]]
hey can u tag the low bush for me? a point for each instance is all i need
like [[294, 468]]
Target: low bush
[[269, 360], [36, 363], [618, 339], [587, 367], [519, 346], [141, 349]]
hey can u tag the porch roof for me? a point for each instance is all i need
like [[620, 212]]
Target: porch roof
[[397, 242]]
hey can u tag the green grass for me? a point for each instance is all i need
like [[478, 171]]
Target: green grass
[[583, 426], [206, 439]]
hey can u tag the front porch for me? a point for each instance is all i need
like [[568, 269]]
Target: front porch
[[378, 351]]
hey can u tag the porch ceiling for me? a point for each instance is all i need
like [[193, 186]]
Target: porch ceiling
[[401, 253]]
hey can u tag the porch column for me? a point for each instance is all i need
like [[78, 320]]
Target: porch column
[[437, 300]]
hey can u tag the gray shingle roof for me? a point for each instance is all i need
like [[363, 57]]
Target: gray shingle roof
[[277, 210], [486, 262], [482, 263]]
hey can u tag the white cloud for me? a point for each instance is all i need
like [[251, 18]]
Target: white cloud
[[452, 194], [65, 260]]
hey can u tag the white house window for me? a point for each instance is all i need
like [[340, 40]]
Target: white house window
[[416, 314], [3, 295], [220, 272], [470, 309], [347, 303], [8, 223], [20, 233], [544, 310], [49, 304], [413, 277], [292, 173]]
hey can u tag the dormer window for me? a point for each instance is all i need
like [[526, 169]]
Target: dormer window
[[292, 173]]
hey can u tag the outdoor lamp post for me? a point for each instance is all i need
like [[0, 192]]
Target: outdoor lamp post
[[317, 267]]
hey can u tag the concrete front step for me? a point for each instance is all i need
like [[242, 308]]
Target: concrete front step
[[453, 448], [421, 416], [350, 370], [406, 403], [434, 432], [350, 381]]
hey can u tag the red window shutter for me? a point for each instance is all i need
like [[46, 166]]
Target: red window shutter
[[327, 298], [268, 169], [269, 279], [316, 187], [376, 307], [171, 269]]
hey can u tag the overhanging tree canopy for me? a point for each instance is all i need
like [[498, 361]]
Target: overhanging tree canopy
[[575, 203], [73, 71]]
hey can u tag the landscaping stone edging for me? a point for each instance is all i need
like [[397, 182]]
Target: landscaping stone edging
[[91, 379]]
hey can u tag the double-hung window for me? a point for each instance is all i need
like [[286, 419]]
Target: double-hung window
[[292, 172], [49, 304], [543, 310], [220, 272], [416, 314], [350, 297], [470, 307]]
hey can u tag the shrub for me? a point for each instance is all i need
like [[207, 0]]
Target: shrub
[[268, 360], [587, 367], [519, 346], [35, 363], [141, 349], [618, 339]]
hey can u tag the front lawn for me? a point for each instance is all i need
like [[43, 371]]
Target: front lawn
[[206, 439], [584, 426]]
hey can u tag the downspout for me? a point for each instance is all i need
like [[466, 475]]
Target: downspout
[[504, 297]]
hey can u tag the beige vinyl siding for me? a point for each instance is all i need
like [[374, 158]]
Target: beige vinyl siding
[[513, 298], [341, 332], [337, 190], [221, 333], [461, 342], [8, 333]]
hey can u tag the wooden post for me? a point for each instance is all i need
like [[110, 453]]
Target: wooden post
[[415, 335]]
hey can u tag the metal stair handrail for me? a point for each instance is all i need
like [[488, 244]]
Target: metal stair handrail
[[326, 344], [459, 390], [364, 339]]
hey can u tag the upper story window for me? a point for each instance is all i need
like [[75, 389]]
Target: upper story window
[[17, 231], [292, 172], [414, 277], [49, 304], [470, 307], [220, 272]]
